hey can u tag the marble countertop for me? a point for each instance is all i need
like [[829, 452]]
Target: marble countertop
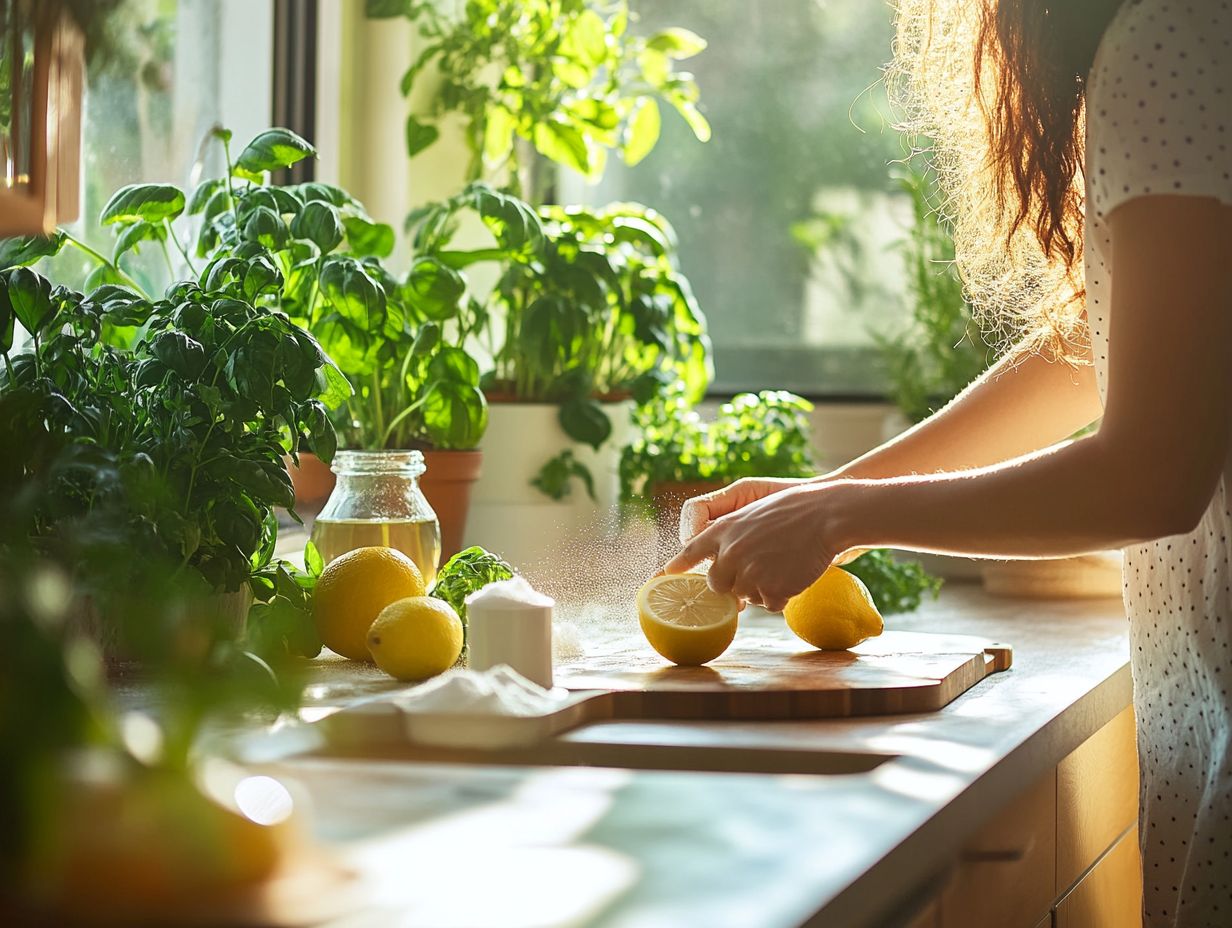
[[477, 845]]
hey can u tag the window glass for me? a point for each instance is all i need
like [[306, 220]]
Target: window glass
[[788, 219], [170, 71]]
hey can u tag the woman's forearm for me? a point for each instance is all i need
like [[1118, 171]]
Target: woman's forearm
[[1023, 403], [1070, 499]]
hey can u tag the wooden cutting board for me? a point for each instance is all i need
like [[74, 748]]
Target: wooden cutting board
[[768, 673]]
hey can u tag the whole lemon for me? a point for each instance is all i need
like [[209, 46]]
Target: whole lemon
[[416, 638], [835, 613], [352, 591]]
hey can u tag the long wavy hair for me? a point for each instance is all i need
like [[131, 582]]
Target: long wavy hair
[[998, 90]]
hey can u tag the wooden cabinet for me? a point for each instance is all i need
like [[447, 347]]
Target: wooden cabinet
[[1110, 894], [1097, 798], [1006, 874], [1064, 854]]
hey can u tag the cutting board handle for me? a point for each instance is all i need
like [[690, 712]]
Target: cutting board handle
[[998, 657]]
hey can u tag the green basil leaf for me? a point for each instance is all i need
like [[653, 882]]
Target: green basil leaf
[[558, 141], [26, 250], [27, 296], [8, 318], [455, 415], [182, 354], [352, 292], [272, 150], [320, 224], [151, 202], [134, 234], [584, 420], [205, 192], [266, 227], [454, 365], [369, 239], [434, 290]]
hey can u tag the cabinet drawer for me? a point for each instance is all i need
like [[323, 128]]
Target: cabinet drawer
[[1005, 876], [1097, 798], [1110, 896]]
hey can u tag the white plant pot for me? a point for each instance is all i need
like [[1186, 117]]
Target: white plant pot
[[518, 521]]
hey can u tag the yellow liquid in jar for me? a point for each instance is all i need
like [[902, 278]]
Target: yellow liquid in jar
[[420, 541]]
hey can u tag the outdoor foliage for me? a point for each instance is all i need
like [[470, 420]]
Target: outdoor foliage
[[567, 78]]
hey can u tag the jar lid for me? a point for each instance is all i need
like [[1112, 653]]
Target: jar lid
[[367, 463]]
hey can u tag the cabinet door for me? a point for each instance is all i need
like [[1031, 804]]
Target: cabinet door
[[1110, 896], [1097, 798], [1006, 873]]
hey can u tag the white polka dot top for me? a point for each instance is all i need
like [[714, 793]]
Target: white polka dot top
[[1159, 121]]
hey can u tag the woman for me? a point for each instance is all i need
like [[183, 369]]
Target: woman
[[1083, 148]]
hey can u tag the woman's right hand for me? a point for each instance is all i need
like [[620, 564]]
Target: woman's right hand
[[698, 512]]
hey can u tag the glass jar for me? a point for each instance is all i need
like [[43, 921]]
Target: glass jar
[[377, 501]]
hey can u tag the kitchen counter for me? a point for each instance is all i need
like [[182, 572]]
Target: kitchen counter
[[476, 845]]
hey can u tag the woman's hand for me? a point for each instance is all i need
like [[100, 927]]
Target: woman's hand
[[768, 550], [699, 512]]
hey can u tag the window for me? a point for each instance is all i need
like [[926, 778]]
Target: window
[[788, 218], [170, 71]]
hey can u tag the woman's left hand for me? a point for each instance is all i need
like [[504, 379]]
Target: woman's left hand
[[771, 549]]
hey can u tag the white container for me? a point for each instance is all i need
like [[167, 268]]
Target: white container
[[511, 623], [514, 518]]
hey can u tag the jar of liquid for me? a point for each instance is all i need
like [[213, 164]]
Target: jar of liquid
[[377, 501]]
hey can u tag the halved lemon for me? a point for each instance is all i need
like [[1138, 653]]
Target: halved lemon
[[685, 620]]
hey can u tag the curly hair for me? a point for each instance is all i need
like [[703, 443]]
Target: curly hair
[[999, 87]]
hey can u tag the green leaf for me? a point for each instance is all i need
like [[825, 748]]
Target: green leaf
[[350, 290], [677, 42], [584, 420], [7, 318], [26, 250], [180, 353], [454, 365], [455, 415], [643, 131], [434, 290], [313, 562], [205, 192], [498, 134], [697, 122], [320, 224], [26, 296], [555, 477], [272, 150], [369, 239], [134, 234], [589, 37], [560, 142], [267, 228], [467, 572], [151, 202], [419, 135], [387, 9]]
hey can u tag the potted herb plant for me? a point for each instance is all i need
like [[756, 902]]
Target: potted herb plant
[[592, 314], [401, 340]]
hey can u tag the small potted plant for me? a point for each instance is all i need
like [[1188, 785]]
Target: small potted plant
[[400, 340], [678, 455], [591, 314]]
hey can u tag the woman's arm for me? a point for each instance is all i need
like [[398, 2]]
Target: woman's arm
[[1022, 403], [1149, 472]]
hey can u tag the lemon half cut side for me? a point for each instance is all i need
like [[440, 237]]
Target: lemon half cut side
[[686, 621]]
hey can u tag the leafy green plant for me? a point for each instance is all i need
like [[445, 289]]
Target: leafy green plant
[[942, 350], [466, 572], [567, 79], [594, 307], [896, 586], [763, 434]]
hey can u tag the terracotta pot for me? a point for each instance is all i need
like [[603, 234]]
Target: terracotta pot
[[447, 484], [313, 481], [669, 497]]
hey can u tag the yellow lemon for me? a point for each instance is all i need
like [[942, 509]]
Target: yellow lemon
[[685, 620], [352, 591], [416, 638], [835, 613]]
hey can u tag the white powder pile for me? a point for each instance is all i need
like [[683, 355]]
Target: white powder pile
[[498, 691], [510, 594]]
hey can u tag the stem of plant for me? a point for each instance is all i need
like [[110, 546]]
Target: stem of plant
[[178, 247], [82, 246]]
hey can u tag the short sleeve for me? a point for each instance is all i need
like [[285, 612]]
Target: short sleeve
[[1159, 104]]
